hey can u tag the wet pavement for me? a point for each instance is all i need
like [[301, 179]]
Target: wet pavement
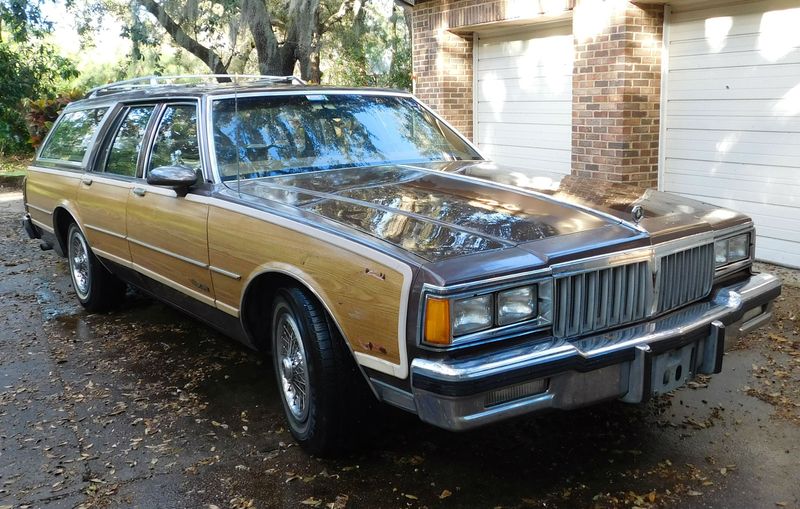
[[144, 407]]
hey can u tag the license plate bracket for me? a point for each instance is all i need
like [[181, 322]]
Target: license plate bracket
[[674, 368]]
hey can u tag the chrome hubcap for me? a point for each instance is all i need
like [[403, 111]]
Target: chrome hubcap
[[79, 265], [292, 367]]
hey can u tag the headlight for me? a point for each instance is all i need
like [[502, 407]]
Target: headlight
[[516, 305], [732, 249], [472, 315], [448, 320]]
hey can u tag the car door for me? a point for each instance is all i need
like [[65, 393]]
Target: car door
[[103, 193], [167, 233]]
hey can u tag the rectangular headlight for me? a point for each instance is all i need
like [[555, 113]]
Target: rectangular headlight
[[516, 305], [732, 249], [472, 315]]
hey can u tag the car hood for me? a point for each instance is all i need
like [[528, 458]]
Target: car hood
[[440, 211]]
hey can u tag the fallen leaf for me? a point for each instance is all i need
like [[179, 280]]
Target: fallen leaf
[[693, 493], [409, 496], [311, 501], [445, 494]]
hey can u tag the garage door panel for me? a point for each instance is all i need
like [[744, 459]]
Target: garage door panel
[[737, 59], [734, 123], [539, 165], [720, 92], [787, 175], [728, 138], [772, 192], [759, 72], [780, 252], [731, 149], [523, 72], [769, 108], [503, 134], [715, 46], [734, 20], [524, 98], [531, 108]]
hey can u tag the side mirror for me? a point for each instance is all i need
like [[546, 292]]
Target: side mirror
[[177, 177]]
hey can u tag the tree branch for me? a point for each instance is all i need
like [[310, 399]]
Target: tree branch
[[182, 39]]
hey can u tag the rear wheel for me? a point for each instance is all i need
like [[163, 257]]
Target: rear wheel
[[97, 288], [322, 392]]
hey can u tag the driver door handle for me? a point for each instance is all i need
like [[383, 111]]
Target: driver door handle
[[139, 191], [86, 181]]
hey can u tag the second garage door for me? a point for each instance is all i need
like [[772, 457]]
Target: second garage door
[[733, 117], [524, 98]]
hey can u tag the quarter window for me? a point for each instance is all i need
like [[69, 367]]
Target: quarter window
[[176, 139], [72, 135], [127, 142]]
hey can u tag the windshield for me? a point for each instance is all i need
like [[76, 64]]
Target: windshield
[[285, 134]]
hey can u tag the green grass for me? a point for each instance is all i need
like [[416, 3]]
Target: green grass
[[14, 165]]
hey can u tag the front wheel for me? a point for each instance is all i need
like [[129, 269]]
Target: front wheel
[[96, 288], [321, 390]]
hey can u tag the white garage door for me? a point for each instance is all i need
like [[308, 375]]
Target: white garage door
[[733, 117], [524, 98]]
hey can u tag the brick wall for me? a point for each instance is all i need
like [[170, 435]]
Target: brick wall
[[442, 48], [616, 81], [442, 64], [616, 94]]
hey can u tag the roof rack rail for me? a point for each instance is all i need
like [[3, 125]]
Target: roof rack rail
[[153, 81]]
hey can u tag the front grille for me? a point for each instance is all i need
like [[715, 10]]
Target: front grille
[[685, 276], [601, 299], [612, 296]]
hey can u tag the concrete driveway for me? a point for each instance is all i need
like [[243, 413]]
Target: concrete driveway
[[144, 407]]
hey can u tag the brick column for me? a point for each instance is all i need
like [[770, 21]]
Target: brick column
[[442, 64], [616, 91]]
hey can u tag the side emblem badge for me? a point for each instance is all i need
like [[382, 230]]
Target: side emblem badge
[[637, 213]]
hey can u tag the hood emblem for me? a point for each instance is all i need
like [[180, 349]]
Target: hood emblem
[[637, 213]]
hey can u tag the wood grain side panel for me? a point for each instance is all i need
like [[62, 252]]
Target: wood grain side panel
[[364, 296], [102, 206], [45, 189], [167, 235]]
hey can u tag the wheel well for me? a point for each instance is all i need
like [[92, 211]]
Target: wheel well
[[257, 305], [61, 221]]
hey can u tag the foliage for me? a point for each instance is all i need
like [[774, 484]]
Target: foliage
[[29, 69], [371, 49], [357, 42], [41, 113]]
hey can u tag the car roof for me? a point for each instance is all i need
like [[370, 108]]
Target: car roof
[[109, 96]]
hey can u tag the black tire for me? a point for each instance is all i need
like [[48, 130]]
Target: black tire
[[337, 396], [97, 289]]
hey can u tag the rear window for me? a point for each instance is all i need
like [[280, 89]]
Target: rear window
[[72, 135]]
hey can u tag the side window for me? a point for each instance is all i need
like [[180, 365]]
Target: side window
[[72, 135], [127, 142], [176, 138]]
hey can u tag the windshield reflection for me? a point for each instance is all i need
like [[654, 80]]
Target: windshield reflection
[[267, 136]]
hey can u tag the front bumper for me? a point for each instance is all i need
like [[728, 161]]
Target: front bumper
[[629, 363]]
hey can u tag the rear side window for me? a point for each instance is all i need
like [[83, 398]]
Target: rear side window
[[124, 153], [72, 135]]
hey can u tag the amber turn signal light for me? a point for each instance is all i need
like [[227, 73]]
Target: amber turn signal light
[[437, 321]]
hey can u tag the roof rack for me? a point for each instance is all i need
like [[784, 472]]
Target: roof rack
[[152, 81]]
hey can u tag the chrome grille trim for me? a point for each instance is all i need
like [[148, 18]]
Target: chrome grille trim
[[684, 277], [601, 299], [636, 287]]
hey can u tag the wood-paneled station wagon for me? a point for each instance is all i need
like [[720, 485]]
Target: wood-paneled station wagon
[[371, 249]]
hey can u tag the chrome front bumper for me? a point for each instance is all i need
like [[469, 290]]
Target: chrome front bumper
[[628, 364]]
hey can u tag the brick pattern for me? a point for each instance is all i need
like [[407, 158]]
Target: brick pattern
[[616, 95], [442, 65]]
